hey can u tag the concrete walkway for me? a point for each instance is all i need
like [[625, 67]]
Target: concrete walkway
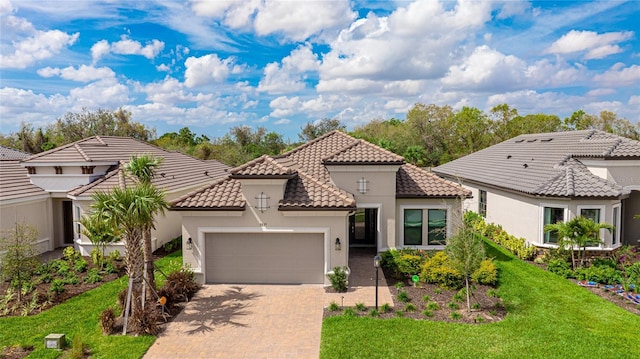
[[246, 321]]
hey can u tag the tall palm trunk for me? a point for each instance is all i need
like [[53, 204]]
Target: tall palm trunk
[[148, 260], [135, 263]]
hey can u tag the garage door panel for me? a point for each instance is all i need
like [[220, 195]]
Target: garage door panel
[[265, 258]]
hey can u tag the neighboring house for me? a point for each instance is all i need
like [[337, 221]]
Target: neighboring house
[[532, 180], [53, 189], [21, 201], [294, 217]]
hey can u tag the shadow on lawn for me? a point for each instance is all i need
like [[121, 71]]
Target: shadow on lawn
[[205, 314]]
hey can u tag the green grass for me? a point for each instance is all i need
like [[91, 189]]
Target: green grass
[[80, 316], [548, 317]]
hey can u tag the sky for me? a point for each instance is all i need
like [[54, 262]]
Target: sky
[[213, 65]]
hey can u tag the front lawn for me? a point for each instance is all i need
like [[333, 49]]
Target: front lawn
[[549, 317], [80, 316]]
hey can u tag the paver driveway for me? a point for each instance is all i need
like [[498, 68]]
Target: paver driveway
[[246, 321]]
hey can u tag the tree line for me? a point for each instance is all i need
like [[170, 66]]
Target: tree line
[[430, 135]]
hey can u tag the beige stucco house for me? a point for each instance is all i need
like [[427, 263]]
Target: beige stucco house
[[292, 218], [531, 180], [52, 190]]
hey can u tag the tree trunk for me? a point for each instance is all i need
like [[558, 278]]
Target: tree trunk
[[466, 279], [134, 263], [148, 259]]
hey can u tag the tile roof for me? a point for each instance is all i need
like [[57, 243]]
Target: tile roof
[[9, 154], [176, 172], [414, 182], [309, 185], [546, 164], [225, 194], [15, 184]]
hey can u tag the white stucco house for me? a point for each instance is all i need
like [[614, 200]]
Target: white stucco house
[[531, 180], [292, 218], [52, 190]]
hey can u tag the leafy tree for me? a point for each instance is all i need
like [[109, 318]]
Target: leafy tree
[[20, 258], [313, 130], [100, 233], [577, 233], [130, 209], [416, 155], [466, 251], [143, 169]]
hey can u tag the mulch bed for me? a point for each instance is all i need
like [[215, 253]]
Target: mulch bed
[[614, 298], [15, 352]]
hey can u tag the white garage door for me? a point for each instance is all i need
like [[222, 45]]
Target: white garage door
[[264, 258]]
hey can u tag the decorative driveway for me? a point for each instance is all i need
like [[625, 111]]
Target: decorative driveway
[[246, 321]]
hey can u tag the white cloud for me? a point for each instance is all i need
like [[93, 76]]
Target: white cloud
[[596, 46], [163, 68], [107, 93], [289, 76], [205, 69], [618, 75], [82, 74], [282, 121], [600, 92], [634, 101], [42, 45], [126, 46], [171, 91]]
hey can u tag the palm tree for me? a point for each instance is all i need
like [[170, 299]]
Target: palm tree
[[143, 169], [579, 232], [100, 233], [131, 209]]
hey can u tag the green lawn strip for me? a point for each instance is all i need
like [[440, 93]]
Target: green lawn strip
[[80, 316], [549, 317]]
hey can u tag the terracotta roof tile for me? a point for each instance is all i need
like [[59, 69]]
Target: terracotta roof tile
[[15, 183], [363, 152], [225, 194], [304, 192], [541, 164], [414, 182], [9, 154], [264, 166]]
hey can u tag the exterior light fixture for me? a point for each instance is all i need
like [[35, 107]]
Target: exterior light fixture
[[363, 185], [189, 243], [263, 204], [338, 244], [376, 264]]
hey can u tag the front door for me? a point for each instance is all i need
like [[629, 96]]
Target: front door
[[67, 222], [363, 227]]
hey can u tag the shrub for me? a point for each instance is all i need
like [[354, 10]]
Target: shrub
[[458, 297], [476, 306], [495, 233], [46, 278], [57, 286], [338, 279], [399, 285], [601, 262], [409, 264], [333, 306], [493, 293], [93, 276], [70, 254], [433, 306], [180, 285], [80, 265], [144, 320], [438, 270], [349, 312], [110, 268], [427, 313], [633, 274], [487, 274], [410, 308], [361, 307], [426, 298], [374, 313], [599, 274], [560, 267], [72, 279], [453, 305], [479, 319], [62, 267], [399, 314], [455, 316], [403, 296], [96, 256], [388, 263], [385, 308]]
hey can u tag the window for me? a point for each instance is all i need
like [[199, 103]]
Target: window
[[552, 215], [78, 227], [437, 227], [482, 204], [616, 223], [591, 213], [413, 227]]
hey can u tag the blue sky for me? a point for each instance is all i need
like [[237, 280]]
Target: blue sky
[[212, 65]]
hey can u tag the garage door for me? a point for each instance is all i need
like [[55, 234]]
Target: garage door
[[264, 258]]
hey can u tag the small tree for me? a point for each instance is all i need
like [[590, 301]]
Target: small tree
[[100, 233], [20, 258], [577, 234], [466, 251]]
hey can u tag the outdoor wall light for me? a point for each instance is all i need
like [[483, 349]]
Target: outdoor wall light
[[338, 244], [189, 243], [363, 185], [262, 204]]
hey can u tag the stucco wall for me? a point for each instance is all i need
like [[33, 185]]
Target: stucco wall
[[195, 224], [36, 213]]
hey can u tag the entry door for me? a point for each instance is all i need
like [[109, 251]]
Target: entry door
[[363, 227], [67, 222]]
